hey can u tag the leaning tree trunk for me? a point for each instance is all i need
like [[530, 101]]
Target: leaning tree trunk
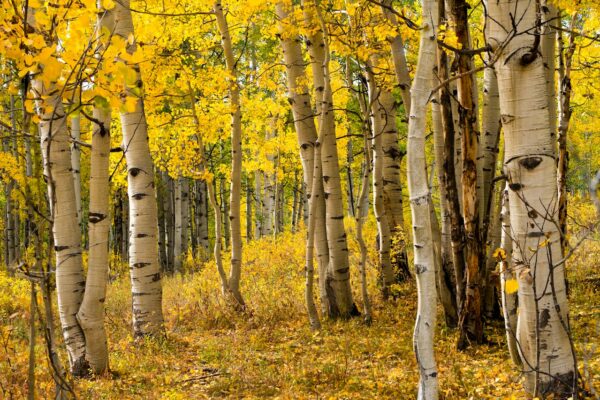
[[304, 123], [341, 303], [143, 221], [66, 232], [236, 157], [91, 312], [418, 189], [543, 331]]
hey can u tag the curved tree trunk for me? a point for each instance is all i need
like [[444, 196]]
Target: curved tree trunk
[[419, 195], [236, 157], [143, 221], [543, 331]]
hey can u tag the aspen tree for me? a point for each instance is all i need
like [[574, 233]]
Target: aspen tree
[[306, 130], [143, 220], [338, 279], [543, 330], [66, 232], [419, 194], [236, 157]]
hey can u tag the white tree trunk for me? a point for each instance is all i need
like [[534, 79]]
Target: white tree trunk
[[143, 220], [543, 329], [236, 157], [91, 312], [306, 130], [177, 242], [76, 161], [419, 194]]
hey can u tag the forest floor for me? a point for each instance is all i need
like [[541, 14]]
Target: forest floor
[[211, 351]]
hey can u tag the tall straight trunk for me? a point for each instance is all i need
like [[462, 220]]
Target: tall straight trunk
[[384, 219], [489, 295], [419, 204], [248, 210], [177, 243], [306, 131], [224, 212], [258, 205], [56, 155], [76, 161], [399, 58], [162, 231], [144, 266], [295, 202], [202, 216], [212, 199], [361, 213], [446, 280], [543, 330], [449, 181], [338, 279], [507, 274], [564, 107], [470, 321], [185, 216], [236, 156], [350, 191], [488, 150], [169, 204], [91, 312]]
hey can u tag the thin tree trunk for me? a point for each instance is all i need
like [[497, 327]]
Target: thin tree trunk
[[76, 162], [419, 194], [543, 330], [566, 60], [507, 274], [160, 201], [177, 243], [248, 210], [236, 157], [449, 179], [446, 280]]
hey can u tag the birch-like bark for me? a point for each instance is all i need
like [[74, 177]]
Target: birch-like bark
[[201, 217], [382, 217], [144, 266], [543, 331], [418, 189], [91, 312], [236, 157], [66, 231], [76, 161], [177, 242], [507, 273], [70, 281], [488, 149], [338, 278], [399, 58], [306, 130]]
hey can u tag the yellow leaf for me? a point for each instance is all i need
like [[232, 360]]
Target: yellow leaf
[[511, 286], [499, 254]]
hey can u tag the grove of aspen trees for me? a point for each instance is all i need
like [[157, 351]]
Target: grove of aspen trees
[[300, 199]]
